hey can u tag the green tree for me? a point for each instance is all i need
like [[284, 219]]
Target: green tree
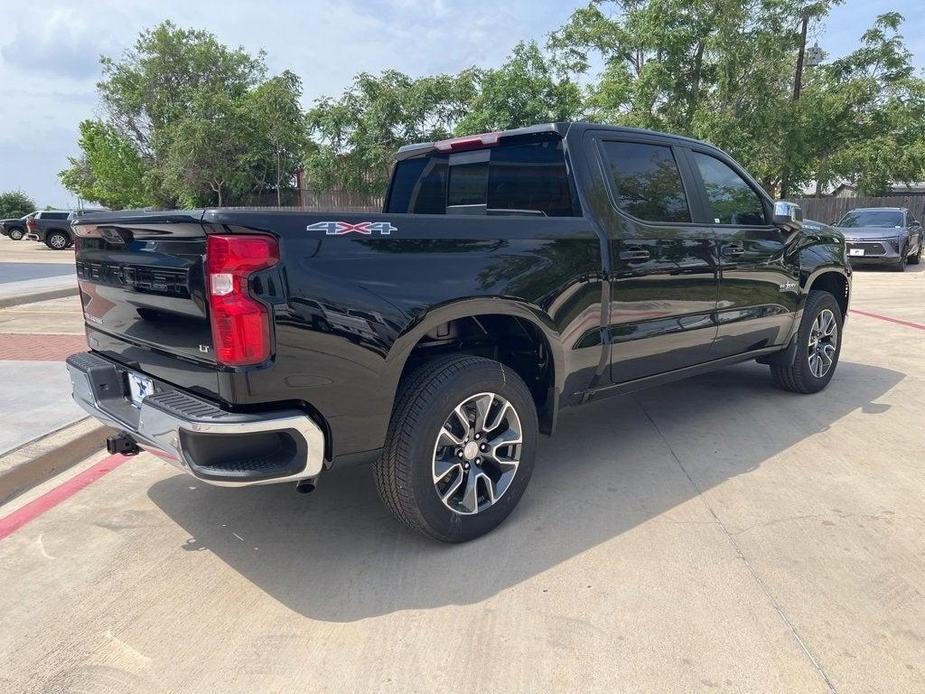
[[15, 204], [524, 91], [176, 94], [281, 129], [355, 137], [208, 151], [864, 114], [109, 170], [151, 86], [720, 70]]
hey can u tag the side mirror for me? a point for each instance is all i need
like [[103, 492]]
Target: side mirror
[[787, 215]]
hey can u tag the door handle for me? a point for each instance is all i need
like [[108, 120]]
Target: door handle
[[635, 254], [733, 249]]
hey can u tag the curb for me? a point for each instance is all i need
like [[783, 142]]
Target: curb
[[40, 459], [7, 301]]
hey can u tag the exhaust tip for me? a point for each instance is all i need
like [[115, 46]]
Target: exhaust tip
[[306, 486]]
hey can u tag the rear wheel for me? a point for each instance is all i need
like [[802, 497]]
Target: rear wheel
[[460, 448], [16, 234], [57, 240], [818, 347]]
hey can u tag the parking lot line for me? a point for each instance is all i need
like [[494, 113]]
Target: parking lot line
[[14, 521], [898, 321]]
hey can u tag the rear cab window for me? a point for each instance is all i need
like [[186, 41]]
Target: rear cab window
[[523, 176]]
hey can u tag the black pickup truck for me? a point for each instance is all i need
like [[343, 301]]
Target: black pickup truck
[[510, 275]]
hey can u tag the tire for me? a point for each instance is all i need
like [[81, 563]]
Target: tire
[[57, 240], [803, 375], [16, 234], [421, 444]]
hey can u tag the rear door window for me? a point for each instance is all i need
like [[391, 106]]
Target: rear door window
[[646, 180], [732, 200]]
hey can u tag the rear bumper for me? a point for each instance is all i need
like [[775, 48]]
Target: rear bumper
[[214, 445]]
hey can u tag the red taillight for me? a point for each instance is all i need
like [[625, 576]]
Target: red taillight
[[470, 142], [240, 324]]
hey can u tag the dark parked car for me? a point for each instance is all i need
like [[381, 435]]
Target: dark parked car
[[51, 227], [510, 275], [882, 235], [15, 228]]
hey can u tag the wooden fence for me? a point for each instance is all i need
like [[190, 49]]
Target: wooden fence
[[345, 201], [829, 210]]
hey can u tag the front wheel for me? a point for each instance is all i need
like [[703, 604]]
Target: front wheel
[[460, 448], [818, 347], [16, 234], [57, 240]]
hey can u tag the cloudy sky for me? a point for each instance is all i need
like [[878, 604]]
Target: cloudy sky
[[49, 53]]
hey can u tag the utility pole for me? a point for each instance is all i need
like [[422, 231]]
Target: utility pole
[[798, 78], [797, 86]]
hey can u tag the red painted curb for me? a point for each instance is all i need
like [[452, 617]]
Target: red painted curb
[[13, 522], [908, 324]]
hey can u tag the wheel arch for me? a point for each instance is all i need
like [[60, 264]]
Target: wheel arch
[[836, 282], [503, 329]]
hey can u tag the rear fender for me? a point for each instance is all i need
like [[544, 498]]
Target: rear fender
[[468, 308]]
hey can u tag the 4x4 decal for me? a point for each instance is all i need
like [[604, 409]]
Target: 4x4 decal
[[341, 228]]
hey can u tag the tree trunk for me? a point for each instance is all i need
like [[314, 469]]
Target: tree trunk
[[695, 83], [279, 196], [797, 87]]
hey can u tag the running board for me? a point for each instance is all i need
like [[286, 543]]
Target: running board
[[676, 375]]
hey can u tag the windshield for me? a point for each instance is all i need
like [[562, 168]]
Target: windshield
[[872, 218]]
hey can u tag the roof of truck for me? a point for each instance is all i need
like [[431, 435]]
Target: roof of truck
[[560, 128]]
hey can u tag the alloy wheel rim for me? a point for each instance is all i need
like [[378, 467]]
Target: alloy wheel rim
[[823, 343], [58, 241], [477, 453]]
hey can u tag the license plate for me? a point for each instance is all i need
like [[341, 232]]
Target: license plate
[[138, 388], [855, 251]]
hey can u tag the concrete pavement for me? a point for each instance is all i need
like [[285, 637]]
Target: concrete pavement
[[34, 386], [26, 251], [710, 534], [30, 271]]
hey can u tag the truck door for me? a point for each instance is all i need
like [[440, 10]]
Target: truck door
[[759, 283], [663, 267]]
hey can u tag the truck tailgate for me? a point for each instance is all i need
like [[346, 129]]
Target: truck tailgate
[[142, 282]]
